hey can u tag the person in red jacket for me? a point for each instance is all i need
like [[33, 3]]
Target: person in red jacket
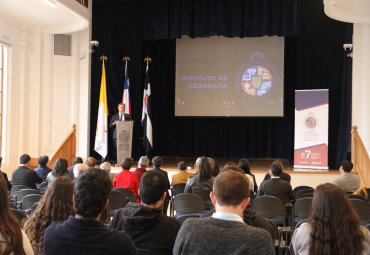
[[126, 179]]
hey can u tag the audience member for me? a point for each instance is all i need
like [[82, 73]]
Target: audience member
[[244, 165], [275, 186], [126, 179], [333, 227], [182, 176], [55, 205], [283, 175], [347, 181], [77, 160], [8, 184], [142, 165], [224, 232], [78, 169], [144, 222], [13, 240], [24, 175], [91, 162], [157, 163], [83, 233], [215, 169], [201, 182], [106, 166], [43, 170], [60, 169]]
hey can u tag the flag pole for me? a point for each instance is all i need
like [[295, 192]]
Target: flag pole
[[103, 58], [147, 59]]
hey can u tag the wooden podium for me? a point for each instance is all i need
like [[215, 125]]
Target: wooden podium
[[124, 139]]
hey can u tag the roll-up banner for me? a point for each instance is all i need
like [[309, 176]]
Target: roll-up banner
[[311, 129]]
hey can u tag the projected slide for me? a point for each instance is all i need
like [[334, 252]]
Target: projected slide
[[220, 76]]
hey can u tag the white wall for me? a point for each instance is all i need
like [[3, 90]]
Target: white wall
[[46, 93]]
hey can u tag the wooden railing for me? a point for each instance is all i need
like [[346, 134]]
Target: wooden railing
[[67, 149], [360, 158]]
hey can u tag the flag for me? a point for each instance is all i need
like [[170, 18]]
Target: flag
[[126, 93], [146, 117], [101, 136]]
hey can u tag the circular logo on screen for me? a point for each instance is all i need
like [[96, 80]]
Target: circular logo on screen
[[310, 121], [257, 77]]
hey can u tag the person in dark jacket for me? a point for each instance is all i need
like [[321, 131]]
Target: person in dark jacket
[[144, 222], [24, 175]]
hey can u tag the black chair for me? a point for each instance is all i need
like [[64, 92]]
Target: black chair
[[116, 200], [20, 215], [178, 189], [42, 187], [14, 191], [363, 210], [352, 196], [34, 207], [182, 218], [204, 195], [302, 209], [187, 203], [298, 188], [28, 201], [129, 196], [304, 193], [271, 208], [24, 192]]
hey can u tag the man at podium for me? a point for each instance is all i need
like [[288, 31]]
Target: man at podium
[[119, 116]]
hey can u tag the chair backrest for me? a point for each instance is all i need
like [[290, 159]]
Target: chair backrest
[[29, 200], [116, 200], [352, 196], [298, 188], [43, 186], [18, 214], [16, 188], [268, 206], [303, 193], [178, 189], [204, 195], [302, 209], [129, 196], [24, 192], [362, 208], [187, 203], [182, 218], [34, 207]]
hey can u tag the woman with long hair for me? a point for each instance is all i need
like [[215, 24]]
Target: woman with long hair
[[60, 169], [12, 238], [333, 227], [55, 205], [244, 165]]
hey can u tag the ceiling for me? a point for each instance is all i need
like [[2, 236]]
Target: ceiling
[[46, 16], [352, 11]]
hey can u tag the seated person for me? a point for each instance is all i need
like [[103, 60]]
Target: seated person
[[142, 165], [24, 175], [182, 176], [244, 165], [8, 184], [333, 226], [84, 233], [283, 175], [224, 232], [43, 170], [347, 181], [60, 169], [77, 160], [91, 162], [275, 186], [144, 222], [78, 169], [106, 166], [126, 179]]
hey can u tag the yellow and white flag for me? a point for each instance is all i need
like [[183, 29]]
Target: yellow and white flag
[[101, 137]]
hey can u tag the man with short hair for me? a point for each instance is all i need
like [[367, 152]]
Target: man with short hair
[[142, 165], [91, 162], [24, 175], [77, 160], [224, 232], [144, 222], [182, 176], [347, 181], [43, 170], [126, 179], [106, 166], [275, 186], [283, 175], [119, 116], [83, 233]]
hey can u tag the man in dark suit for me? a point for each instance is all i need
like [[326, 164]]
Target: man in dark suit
[[119, 116], [157, 163], [24, 175]]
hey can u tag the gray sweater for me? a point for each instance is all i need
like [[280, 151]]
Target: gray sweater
[[214, 236]]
